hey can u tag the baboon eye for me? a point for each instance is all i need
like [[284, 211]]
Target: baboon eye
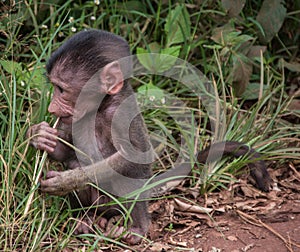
[[60, 89]]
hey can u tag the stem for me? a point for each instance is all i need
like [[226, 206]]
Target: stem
[[38, 175]]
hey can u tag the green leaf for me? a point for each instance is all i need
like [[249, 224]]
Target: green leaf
[[152, 92], [220, 34], [240, 39], [229, 37], [178, 26], [158, 62], [37, 77], [145, 58], [11, 67], [252, 91], [271, 17], [168, 58], [173, 51]]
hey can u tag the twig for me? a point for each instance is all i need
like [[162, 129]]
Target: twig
[[297, 174], [38, 175]]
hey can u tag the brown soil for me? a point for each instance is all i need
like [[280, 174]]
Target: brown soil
[[242, 218]]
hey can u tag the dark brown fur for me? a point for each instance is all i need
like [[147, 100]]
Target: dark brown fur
[[68, 69]]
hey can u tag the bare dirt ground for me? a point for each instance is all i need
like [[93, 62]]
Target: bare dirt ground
[[241, 218]]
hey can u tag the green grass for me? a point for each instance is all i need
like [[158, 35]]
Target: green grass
[[29, 34]]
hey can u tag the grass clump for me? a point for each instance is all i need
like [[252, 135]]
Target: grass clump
[[253, 75]]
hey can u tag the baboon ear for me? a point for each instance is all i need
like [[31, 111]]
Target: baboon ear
[[111, 78]]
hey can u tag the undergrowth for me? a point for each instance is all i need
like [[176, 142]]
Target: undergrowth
[[251, 68]]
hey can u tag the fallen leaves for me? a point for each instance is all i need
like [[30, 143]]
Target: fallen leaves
[[181, 221], [182, 206]]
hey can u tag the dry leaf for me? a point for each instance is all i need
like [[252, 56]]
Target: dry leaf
[[177, 243], [157, 246], [183, 206]]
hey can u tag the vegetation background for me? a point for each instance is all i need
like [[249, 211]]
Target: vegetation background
[[249, 50]]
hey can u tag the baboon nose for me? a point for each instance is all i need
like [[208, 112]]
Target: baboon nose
[[51, 108]]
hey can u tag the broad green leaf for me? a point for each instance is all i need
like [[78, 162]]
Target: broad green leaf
[[219, 34], [227, 36], [145, 58], [173, 51], [152, 92], [233, 7], [252, 91], [37, 77], [168, 58], [11, 66], [271, 17], [178, 26], [158, 62], [239, 40]]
